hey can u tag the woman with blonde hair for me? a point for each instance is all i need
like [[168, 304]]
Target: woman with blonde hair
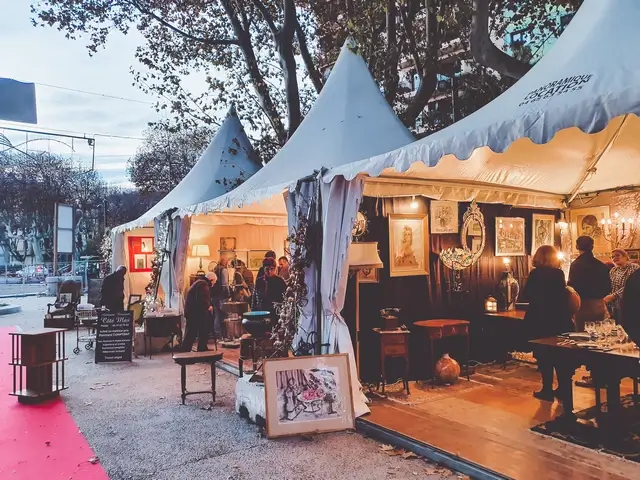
[[548, 314]]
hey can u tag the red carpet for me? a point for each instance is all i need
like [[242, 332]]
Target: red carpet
[[39, 442]]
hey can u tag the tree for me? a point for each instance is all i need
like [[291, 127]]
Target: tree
[[165, 157], [233, 44]]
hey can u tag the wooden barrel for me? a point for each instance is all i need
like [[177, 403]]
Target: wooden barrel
[[233, 327]]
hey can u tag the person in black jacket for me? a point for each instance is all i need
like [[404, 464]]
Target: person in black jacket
[[630, 307], [270, 289], [196, 311], [112, 290], [590, 278], [269, 254], [548, 315]]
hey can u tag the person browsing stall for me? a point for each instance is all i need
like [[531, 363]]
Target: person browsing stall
[[196, 312], [269, 254], [283, 268], [548, 315], [112, 290], [269, 290], [619, 274]]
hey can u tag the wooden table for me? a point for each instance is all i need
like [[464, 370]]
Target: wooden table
[[393, 344], [503, 333], [442, 328], [607, 369], [510, 315], [191, 358]]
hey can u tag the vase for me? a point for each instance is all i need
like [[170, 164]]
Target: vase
[[256, 323], [447, 370], [508, 290]]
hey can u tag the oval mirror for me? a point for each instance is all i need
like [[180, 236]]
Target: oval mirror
[[473, 235]]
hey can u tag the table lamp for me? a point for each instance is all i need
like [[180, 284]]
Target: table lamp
[[199, 251], [362, 255]]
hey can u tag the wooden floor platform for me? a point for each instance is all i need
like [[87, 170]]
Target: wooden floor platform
[[486, 421], [229, 362]]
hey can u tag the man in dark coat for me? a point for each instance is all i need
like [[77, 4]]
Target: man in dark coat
[[270, 289], [630, 307], [112, 291]]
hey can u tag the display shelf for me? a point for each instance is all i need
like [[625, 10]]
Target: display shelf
[[34, 354]]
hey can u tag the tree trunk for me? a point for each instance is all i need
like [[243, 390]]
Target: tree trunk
[[284, 41], [483, 49], [391, 77]]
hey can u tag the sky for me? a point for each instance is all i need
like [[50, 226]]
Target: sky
[[45, 57]]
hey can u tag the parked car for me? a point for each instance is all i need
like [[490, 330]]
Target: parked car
[[31, 271]]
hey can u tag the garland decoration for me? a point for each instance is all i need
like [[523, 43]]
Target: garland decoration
[[160, 251], [300, 254]]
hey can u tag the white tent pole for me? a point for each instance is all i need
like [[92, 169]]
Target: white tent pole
[[592, 166]]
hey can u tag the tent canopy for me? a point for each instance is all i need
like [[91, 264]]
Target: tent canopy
[[568, 126], [350, 120], [227, 161]]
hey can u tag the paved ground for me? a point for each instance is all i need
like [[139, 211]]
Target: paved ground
[[19, 289], [132, 417]]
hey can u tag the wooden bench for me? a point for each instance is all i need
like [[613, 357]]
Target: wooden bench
[[191, 358]]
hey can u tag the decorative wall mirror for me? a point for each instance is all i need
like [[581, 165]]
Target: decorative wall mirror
[[359, 227], [473, 235]]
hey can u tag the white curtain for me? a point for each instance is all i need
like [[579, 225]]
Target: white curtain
[[164, 245], [340, 203], [179, 251], [118, 256]]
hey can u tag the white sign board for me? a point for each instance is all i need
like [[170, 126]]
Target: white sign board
[[64, 229]]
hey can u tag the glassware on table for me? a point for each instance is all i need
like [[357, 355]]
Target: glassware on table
[[590, 328]]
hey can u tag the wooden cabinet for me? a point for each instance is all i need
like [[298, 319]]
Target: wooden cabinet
[[393, 344], [37, 358]]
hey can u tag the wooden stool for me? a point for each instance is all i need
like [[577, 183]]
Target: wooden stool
[[441, 328], [191, 358], [393, 344]]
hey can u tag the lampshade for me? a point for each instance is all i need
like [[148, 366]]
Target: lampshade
[[364, 255], [200, 251]]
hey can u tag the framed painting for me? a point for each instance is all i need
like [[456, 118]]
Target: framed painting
[[308, 395], [588, 221], [408, 245], [510, 241], [139, 249], [255, 258], [146, 245], [444, 217], [140, 261], [227, 243], [543, 231], [369, 275]]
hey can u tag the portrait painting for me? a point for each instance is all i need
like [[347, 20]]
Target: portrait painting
[[408, 245], [588, 221], [227, 243], [308, 394], [510, 237], [444, 217], [140, 261], [146, 245], [543, 231]]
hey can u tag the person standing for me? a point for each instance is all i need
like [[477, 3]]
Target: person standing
[[630, 307], [548, 315], [269, 290], [220, 293], [283, 268], [269, 254], [590, 279], [112, 290], [196, 312], [619, 274]]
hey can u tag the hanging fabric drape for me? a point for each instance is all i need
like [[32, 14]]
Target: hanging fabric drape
[[299, 202], [179, 249], [163, 234], [118, 256], [344, 198]]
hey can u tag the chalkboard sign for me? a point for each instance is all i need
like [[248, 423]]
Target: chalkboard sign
[[114, 337]]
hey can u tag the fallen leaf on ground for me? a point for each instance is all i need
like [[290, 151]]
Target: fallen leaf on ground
[[88, 403], [207, 408], [94, 460], [161, 398], [463, 477], [48, 444], [385, 448], [408, 455]]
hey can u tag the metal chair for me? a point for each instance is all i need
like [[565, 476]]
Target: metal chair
[[62, 313]]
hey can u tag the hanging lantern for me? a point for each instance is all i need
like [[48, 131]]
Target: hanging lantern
[[491, 305]]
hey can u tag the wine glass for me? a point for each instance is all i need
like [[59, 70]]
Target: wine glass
[[590, 328]]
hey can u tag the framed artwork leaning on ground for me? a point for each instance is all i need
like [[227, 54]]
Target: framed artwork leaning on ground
[[308, 395], [408, 245]]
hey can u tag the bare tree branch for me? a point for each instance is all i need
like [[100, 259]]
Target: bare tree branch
[[483, 49], [162, 21], [314, 74]]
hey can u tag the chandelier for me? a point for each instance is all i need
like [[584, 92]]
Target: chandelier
[[619, 231]]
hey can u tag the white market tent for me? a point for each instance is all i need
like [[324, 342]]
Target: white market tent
[[227, 161], [567, 127], [350, 120]]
